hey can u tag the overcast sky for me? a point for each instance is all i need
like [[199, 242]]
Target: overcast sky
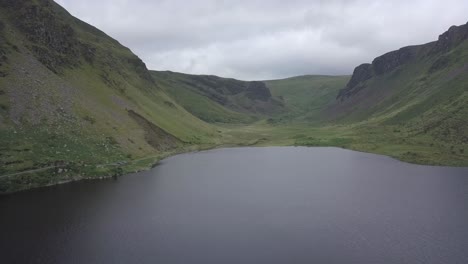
[[255, 39]]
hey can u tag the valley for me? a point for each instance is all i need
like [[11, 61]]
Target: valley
[[76, 104]]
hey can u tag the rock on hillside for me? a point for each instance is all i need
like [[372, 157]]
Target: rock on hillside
[[394, 59], [217, 99], [423, 88]]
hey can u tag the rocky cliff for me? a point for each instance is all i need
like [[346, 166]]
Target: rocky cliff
[[394, 59], [422, 88]]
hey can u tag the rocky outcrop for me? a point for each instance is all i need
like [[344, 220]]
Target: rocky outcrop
[[213, 84], [394, 59], [140, 68], [219, 89], [451, 38], [380, 65], [258, 91], [361, 73], [53, 41], [3, 57]]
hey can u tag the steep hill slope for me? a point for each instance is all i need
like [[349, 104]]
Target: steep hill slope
[[422, 88], [71, 95], [223, 100]]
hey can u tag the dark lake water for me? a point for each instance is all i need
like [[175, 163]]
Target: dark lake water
[[287, 205]]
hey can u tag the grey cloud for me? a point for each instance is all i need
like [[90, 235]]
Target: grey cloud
[[267, 39]]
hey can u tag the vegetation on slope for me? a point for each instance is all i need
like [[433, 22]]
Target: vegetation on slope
[[69, 98], [422, 90], [220, 100], [306, 96]]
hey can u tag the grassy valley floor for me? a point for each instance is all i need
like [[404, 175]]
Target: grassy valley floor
[[392, 141]]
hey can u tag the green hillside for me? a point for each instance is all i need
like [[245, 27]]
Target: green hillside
[[306, 96], [220, 100], [71, 95], [423, 89]]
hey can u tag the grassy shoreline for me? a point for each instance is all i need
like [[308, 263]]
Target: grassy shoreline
[[394, 142]]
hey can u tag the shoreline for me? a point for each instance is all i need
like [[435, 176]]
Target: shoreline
[[199, 148]]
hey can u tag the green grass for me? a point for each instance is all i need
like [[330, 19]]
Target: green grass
[[196, 103], [394, 141], [214, 99], [306, 96]]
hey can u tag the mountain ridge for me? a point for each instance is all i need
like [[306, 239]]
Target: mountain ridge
[[423, 89], [389, 61], [218, 99]]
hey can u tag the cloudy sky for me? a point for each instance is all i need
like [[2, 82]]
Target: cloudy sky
[[259, 39]]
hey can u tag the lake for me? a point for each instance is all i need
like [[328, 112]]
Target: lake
[[288, 205]]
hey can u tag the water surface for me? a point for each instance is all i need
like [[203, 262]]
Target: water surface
[[247, 205]]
